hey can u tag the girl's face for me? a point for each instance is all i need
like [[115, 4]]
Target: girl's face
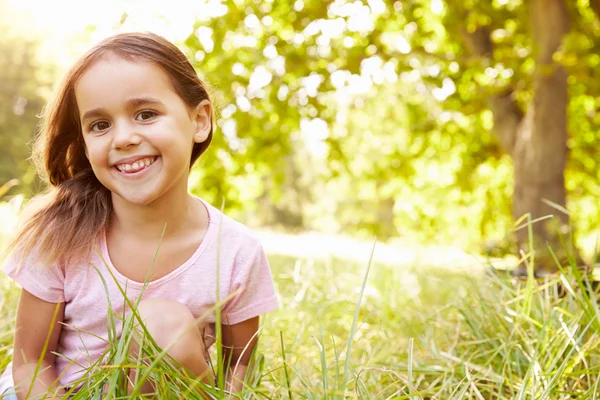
[[138, 132]]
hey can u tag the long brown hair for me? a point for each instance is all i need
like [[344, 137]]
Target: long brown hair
[[65, 223]]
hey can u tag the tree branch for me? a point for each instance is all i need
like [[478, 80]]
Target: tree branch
[[507, 114], [595, 6], [507, 118], [480, 42]]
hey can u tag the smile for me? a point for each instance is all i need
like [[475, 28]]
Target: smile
[[137, 166]]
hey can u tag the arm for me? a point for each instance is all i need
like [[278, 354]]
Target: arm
[[34, 322], [238, 344]]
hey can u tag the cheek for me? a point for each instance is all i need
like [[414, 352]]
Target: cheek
[[95, 155], [185, 127]]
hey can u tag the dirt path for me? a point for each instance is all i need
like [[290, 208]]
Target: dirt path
[[319, 246]]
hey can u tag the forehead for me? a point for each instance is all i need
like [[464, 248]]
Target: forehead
[[112, 80]]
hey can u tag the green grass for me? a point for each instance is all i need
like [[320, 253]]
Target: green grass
[[419, 334]]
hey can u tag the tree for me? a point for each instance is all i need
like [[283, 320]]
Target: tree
[[542, 110], [535, 136]]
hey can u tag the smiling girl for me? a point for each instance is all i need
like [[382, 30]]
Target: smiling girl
[[118, 141]]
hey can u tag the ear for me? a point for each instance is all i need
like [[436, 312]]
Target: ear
[[202, 118]]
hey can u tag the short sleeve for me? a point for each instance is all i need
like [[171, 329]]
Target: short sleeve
[[44, 282], [253, 284]]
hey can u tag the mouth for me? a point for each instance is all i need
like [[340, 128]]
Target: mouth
[[137, 165]]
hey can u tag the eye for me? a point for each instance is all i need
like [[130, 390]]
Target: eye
[[145, 115], [99, 126]]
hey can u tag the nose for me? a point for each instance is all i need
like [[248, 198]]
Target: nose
[[125, 136]]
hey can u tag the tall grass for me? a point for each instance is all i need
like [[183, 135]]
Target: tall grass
[[392, 333], [479, 336]]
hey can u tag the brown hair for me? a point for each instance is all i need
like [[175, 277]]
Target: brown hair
[[65, 223]]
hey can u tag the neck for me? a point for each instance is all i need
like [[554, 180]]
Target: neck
[[173, 215]]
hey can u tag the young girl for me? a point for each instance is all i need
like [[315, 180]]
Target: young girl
[[119, 139]]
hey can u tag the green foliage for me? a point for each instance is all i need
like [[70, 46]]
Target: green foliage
[[403, 101], [382, 145], [20, 103]]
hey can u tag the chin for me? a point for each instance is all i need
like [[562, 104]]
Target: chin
[[142, 201], [139, 199]]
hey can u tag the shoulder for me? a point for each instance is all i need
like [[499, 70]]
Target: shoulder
[[32, 260], [232, 233], [43, 280]]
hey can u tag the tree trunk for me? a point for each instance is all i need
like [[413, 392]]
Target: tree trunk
[[386, 227], [540, 148], [537, 140]]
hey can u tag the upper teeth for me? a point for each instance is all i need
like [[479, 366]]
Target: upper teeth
[[144, 162]]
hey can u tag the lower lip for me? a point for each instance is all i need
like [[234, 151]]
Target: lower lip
[[139, 174]]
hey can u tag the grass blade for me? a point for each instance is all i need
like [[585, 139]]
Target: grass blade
[[355, 320]]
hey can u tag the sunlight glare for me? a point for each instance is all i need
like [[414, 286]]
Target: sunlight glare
[[64, 25]]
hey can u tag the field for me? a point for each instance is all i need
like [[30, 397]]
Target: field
[[421, 332]]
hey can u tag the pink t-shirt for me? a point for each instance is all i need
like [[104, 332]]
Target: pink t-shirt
[[243, 269]]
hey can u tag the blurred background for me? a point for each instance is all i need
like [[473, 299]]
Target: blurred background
[[418, 122]]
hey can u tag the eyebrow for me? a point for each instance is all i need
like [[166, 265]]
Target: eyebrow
[[131, 103]]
